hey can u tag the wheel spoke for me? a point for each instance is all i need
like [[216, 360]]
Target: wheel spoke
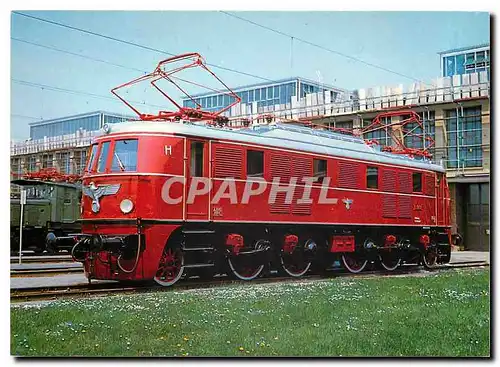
[[170, 267]]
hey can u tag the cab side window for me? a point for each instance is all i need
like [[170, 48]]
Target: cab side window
[[255, 163], [103, 156], [196, 167]]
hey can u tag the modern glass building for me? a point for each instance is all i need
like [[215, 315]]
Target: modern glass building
[[465, 60], [266, 94], [71, 124]]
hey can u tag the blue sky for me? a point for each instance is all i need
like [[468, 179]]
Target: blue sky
[[405, 42]]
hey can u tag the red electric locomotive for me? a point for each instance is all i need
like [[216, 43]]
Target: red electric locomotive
[[167, 198]]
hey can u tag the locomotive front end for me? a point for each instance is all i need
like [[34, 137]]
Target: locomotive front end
[[122, 237]]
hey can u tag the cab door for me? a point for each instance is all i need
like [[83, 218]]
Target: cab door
[[197, 179], [441, 202]]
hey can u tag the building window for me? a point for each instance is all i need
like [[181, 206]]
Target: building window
[[263, 94], [244, 97], [270, 93], [125, 156], [418, 137], [464, 138], [381, 135], [276, 91], [283, 94], [255, 163], [417, 182], [319, 170], [371, 177], [103, 156], [460, 64], [257, 94], [196, 168]]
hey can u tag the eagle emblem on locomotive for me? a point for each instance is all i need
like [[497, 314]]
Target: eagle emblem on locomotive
[[95, 193], [249, 199]]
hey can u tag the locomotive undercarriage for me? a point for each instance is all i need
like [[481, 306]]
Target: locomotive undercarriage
[[247, 252]]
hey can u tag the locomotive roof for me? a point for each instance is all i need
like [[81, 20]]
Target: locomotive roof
[[281, 136]]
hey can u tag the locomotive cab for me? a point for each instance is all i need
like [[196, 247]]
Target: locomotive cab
[[123, 212]]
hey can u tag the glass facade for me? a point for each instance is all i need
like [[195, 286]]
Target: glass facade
[[464, 133], [70, 125], [264, 95], [382, 136], [416, 140], [466, 62]]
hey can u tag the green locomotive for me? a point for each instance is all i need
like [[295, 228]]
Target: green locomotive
[[51, 213]]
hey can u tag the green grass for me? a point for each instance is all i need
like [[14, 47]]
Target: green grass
[[444, 314]]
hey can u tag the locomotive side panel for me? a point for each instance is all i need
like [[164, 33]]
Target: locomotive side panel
[[341, 191]]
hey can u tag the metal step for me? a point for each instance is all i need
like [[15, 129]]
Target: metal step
[[197, 231], [198, 249], [190, 266]]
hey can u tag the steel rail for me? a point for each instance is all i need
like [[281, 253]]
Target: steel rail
[[47, 293]]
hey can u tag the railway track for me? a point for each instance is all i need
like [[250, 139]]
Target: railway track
[[40, 259], [17, 273], [108, 288]]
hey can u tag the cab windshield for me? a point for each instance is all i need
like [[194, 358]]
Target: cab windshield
[[124, 156]]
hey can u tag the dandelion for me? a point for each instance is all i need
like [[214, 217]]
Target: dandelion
[[186, 338], [241, 349]]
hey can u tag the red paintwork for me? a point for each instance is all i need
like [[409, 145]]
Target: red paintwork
[[144, 189], [390, 240], [425, 240], [342, 244], [235, 241], [290, 242]]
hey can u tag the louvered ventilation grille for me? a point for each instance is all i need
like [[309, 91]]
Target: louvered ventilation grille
[[280, 167], [279, 206], [300, 209], [404, 206], [349, 175], [228, 163], [429, 185], [389, 206], [389, 202], [405, 182], [302, 167], [389, 181]]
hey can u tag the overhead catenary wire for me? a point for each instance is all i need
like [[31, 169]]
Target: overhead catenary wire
[[73, 91], [77, 54], [25, 116], [323, 47]]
